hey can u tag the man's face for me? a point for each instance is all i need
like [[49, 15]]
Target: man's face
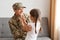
[[19, 11]]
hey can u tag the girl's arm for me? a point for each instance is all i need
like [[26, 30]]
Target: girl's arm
[[40, 24]]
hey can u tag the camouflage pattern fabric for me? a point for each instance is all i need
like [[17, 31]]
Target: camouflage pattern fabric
[[16, 27]]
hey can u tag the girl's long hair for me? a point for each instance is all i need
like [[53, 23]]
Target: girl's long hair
[[35, 14]]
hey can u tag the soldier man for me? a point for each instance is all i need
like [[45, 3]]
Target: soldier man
[[18, 23]]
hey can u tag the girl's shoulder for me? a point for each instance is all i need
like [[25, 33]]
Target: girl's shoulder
[[38, 23]]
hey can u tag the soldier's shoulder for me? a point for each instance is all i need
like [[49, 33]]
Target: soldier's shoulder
[[10, 20], [26, 14]]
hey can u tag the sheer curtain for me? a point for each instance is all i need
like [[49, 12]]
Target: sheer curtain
[[57, 19]]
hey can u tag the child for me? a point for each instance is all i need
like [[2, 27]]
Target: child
[[35, 24]]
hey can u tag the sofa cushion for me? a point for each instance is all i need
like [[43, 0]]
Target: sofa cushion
[[5, 28], [6, 39], [0, 27], [43, 38], [44, 25]]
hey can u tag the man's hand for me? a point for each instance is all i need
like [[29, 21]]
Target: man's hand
[[27, 28]]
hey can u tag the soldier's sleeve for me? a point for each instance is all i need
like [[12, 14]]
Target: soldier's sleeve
[[13, 29]]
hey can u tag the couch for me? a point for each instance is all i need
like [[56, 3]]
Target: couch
[[5, 33]]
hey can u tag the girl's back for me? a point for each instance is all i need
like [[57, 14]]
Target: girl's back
[[31, 35]]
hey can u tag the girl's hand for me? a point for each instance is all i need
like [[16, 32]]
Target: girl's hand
[[29, 28], [41, 30]]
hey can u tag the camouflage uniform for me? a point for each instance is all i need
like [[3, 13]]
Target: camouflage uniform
[[16, 28]]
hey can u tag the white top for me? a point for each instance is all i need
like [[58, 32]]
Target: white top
[[31, 35]]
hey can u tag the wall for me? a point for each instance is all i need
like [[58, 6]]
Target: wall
[[6, 7]]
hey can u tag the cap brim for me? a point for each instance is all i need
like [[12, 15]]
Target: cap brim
[[23, 7]]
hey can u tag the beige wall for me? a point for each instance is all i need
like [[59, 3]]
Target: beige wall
[[43, 5]]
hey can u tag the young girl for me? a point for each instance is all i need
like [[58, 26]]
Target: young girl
[[35, 24]]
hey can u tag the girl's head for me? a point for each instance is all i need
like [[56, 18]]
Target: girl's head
[[34, 15]]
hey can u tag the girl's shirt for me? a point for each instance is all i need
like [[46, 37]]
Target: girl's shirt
[[31, 35]]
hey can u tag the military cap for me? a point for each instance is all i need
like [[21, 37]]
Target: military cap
[[18, 5]]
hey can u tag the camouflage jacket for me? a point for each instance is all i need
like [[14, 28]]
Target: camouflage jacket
[[16, 27]]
